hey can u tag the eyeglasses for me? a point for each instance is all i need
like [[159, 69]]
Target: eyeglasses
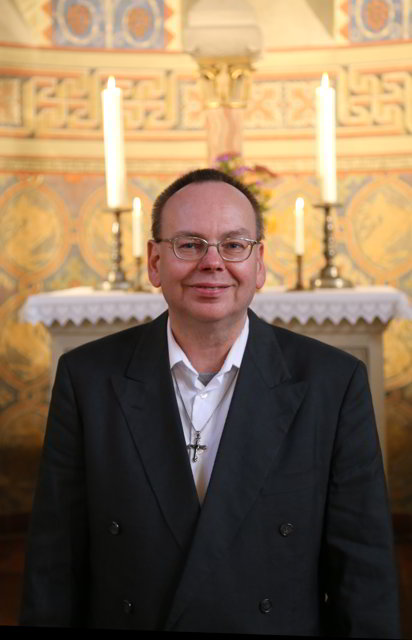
[[193, 248]]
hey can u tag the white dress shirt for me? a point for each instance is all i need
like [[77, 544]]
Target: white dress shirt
[[205, 407]]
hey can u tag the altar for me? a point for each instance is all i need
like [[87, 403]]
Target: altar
[[351, 319]]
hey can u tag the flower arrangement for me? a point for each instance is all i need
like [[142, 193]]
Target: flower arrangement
[[253, 178]]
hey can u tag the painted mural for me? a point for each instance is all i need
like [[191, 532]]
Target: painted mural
[[56, 56]]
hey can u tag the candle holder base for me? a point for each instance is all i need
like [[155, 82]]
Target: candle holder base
[[113, 285], [299, 274], [329, 277], [116, 280]]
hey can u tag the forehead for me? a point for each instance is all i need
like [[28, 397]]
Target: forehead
[[209, 206]]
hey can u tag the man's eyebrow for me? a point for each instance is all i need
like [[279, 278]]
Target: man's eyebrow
[[241, 231], [236, 233]]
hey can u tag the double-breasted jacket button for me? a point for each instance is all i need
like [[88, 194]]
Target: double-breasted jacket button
[[114, 528], [286, 528], [265, 605], [127, 606]]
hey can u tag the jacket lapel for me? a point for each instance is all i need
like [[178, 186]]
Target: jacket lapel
[[147, 398], [264, 404]]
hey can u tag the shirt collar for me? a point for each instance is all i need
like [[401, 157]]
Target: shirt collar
[[233, 358]]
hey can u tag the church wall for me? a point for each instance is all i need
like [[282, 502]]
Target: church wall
[[55, 58]]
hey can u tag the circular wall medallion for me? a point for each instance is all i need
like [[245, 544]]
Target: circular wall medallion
[[95, 231], [79, 19], [376, 20], [140, 24], [34, 239], [139, 21], [380, 246], [375, 14], [78, 23], [280, 257]]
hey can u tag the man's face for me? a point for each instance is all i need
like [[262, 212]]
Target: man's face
[[209, 289]]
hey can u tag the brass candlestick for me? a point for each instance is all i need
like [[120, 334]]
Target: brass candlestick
[[116, 279], [299, 274], [328, 277], [138, 286]]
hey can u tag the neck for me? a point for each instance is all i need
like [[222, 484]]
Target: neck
[[206, 346]]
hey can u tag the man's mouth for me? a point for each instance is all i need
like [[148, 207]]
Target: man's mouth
[[209, 290], [210, 287]]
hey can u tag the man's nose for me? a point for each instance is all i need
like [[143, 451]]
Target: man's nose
[[211, 259]]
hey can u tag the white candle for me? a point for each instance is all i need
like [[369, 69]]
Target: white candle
[[299, 227], [137, 229], [114, 145], [326, 139]]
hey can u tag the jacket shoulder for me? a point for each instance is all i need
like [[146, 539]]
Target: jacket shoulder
[[304, 353], [308, 344], [119, 346]]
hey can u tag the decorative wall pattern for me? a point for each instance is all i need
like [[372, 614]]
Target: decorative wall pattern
[[99, 24], [155, 25], [43, 103], [376, 20], [122, 24], [55, 234], [362, 21], [39, 103]]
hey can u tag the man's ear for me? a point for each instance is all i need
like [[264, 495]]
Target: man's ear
[[260, 268], [153, 263]]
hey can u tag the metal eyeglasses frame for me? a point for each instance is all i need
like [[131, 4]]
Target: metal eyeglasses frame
[[206, 246]]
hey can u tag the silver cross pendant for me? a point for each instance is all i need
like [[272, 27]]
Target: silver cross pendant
[[196, 447]]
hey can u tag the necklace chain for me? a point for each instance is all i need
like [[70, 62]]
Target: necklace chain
[[196, 447]]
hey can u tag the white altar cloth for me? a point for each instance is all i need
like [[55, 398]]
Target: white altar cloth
[[85, 304]]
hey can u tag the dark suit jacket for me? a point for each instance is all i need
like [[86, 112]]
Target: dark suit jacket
[[294, 536]]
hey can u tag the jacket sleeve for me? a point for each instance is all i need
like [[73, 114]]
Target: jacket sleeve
[[359, 575], [56, 578]]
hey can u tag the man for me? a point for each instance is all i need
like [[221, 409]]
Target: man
[[209, 472]]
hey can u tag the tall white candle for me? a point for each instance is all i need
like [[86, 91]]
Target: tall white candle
[[116, 194], [299, 227], [326, 139], [137, 229]]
